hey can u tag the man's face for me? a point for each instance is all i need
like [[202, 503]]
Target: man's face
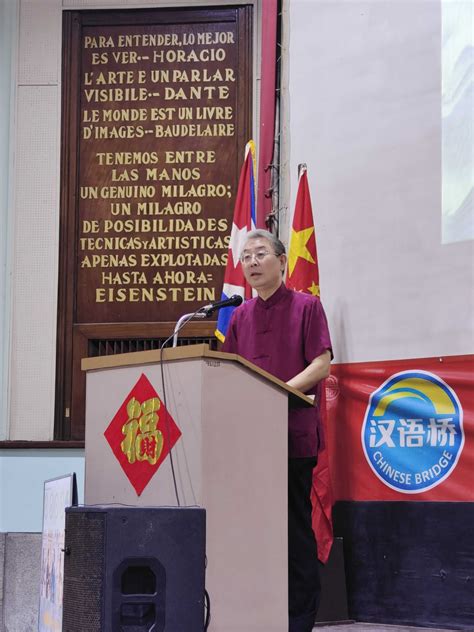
[[262, 268]]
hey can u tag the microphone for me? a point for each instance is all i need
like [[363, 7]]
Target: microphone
[[202, 312], [229, 302]]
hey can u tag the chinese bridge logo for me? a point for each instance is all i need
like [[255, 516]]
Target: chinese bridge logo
[[412, 433], [141, 434]]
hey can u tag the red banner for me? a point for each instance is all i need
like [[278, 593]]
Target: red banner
[[402, 429]]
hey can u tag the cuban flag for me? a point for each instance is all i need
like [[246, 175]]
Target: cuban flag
[[243, 223]]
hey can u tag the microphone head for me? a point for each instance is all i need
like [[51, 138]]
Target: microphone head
[[236, 300]]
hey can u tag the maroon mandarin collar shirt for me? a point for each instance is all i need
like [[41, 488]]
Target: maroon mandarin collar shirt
[[282, 335]]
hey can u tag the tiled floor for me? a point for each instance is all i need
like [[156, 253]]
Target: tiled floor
[[375, 627]]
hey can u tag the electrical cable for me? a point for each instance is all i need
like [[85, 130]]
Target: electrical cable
[[207, 607], [173, 473], [207, 599], [167, 427]]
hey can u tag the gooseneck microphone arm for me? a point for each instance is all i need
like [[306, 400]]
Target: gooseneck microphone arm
[[183, 320]]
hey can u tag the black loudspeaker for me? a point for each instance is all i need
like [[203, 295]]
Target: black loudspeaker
[[134, 569]]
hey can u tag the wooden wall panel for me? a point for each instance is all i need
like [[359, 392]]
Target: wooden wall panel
[[156, 113]]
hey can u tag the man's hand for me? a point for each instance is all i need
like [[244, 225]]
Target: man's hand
[[314, 373]]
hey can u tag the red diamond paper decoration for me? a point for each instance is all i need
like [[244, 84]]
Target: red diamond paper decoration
[[141, 434]]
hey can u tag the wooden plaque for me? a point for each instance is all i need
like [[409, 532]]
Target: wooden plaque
[[156, 114]]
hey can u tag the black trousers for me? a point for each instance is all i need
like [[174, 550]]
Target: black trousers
[[304, 588]]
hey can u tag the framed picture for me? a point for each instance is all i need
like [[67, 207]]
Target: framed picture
[[59, 493]]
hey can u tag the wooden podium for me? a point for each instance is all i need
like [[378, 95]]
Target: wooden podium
[[231, 459]]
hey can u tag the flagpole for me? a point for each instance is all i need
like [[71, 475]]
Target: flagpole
[[303, 275], [301, 168]]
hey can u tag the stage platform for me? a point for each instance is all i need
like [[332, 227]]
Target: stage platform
[[374, 627]]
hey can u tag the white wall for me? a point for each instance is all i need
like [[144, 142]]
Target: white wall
[[364, 113], [8, 42], [35, 217]]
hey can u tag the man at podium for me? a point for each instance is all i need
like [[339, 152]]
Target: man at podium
[[286, 333]]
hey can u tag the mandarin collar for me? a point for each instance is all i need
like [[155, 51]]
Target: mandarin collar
[[275, 298]]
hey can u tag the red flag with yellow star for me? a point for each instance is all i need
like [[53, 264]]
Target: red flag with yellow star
[[303, 271], [303, 276]]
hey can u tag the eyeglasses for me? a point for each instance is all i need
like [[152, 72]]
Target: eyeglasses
[[247, 258]]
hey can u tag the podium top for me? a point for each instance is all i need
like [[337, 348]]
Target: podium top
[[190, 352]]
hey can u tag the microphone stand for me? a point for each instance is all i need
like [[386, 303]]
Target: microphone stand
[[185, 318]]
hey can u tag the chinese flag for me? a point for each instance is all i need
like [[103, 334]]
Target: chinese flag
[[303, 275]]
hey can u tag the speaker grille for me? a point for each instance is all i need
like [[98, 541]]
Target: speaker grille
[[134, 569], [83, 572]]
